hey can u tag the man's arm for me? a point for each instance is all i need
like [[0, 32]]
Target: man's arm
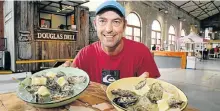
[[147, 65], [78, 62]]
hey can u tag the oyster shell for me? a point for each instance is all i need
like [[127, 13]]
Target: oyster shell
[[125, 98], [32, 89], [60, 74], [175, 103], [125, 102], [155, 93], [76, 79], [52, 85], [141, 84], [120, 92]]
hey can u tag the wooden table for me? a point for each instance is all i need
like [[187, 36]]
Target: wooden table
[[92, 99]]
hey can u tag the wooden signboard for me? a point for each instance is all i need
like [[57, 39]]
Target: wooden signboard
[[50, 34]]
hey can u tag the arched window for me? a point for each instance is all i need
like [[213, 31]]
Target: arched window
[[133, 29], [171, 38], [156, 34], [183, 34]]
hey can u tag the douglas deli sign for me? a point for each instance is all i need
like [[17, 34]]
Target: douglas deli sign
[[55, 35]]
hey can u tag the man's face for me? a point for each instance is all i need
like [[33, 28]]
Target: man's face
[[110, 27]]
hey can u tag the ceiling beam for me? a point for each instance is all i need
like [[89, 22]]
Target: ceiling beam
[[188, 6], [184, 4], [198, 7], [53, 6], [202, 11], [52, 12], [201, 8], [215, 6], [72, 4], [79, 2], [199, 14], [182, 9], [45, 6], [145, 3], [206, 8], [210, 10]]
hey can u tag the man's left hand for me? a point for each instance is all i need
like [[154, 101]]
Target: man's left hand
[[145, 75]]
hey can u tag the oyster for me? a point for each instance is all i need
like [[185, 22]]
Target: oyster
[[120, 92], [126, 101], [141, 84], [76, 79], [52, 85], [125, 98], [138, 108], [155, 93], [31, 89], [143, 104], [60, 74], [175, 103]]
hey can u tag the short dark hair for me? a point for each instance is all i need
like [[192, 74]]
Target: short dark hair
[[110, 9]]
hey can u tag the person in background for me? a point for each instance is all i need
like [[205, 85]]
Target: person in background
[[113, 56], [154, 47], [205, 54], [216, 52], [198, 55]]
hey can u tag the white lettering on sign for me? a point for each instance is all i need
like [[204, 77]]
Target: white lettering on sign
[[54, 36]]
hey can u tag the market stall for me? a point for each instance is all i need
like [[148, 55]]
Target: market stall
[[195, 45], [43, 31]]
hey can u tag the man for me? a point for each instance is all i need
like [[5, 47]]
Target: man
[[154, 47], [114, 57]]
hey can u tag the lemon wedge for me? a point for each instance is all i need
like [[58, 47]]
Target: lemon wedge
[[167, 96], [162, 105], [39, 81], [50, 74], [43, 91], [61, 81]]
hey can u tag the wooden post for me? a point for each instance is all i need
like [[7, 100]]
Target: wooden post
[[1, 20]]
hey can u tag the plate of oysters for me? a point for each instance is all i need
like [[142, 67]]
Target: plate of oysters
[[145, 94], [53, 87]]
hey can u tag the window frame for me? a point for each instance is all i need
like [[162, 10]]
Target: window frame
[[184, 33], [133, 27], [156, 37], [173, 38]]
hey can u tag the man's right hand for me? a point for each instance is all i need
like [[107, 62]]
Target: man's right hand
[[68, 64]]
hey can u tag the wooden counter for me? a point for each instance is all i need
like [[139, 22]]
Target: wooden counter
[[182, 55]]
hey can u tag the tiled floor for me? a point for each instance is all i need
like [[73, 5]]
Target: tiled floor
[[7, 84], [201, 86]]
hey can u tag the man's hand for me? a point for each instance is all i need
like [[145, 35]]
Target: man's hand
[[68, 64], [145, 75]]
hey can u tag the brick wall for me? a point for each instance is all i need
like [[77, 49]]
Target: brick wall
[[1, 20]]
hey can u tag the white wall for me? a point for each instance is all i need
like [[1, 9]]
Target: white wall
[[9, 30]]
